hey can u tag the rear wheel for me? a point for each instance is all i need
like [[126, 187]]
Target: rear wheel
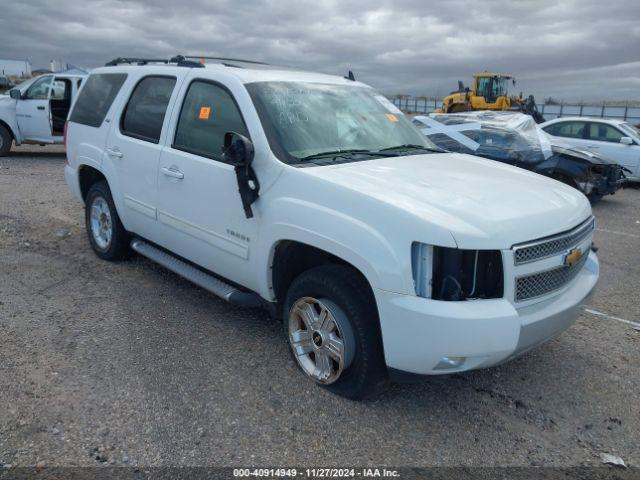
[[331, 323], [107, 236], [5, 141]]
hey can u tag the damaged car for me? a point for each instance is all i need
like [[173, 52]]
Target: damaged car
[[514, 138]]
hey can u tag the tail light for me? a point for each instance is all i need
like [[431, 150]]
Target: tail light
[[64, 133]]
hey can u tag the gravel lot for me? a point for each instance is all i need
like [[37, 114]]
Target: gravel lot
[[126, 363]]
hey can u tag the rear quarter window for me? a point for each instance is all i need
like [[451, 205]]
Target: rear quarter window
[[95, 99]]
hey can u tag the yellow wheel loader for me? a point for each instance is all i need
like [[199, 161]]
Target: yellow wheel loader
[[490, 92]]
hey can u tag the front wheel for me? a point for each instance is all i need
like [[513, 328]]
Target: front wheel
[[331, 323], [107, 236], [5, 141]]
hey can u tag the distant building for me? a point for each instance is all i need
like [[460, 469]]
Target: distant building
[[16, 68], [57, 66]]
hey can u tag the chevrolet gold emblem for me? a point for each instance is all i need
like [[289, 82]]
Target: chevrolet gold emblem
[[571, 258]]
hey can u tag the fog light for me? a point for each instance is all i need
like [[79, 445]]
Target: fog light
[[448, 363]]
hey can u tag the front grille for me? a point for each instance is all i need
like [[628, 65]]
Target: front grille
[[541, 283], [550, 246]]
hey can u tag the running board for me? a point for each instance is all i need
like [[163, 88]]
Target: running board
[[210, 283]]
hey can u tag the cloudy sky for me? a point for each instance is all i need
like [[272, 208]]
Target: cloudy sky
[[587, 49]]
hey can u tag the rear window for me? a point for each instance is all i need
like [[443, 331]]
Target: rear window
[[144, 114], [96, 97]]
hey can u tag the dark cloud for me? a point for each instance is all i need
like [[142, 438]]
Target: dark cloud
[[575, 50]]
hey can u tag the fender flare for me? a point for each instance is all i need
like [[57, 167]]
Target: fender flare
[[351, 240], [109, 176]]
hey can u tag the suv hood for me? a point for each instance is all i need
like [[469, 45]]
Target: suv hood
[[483, 203]]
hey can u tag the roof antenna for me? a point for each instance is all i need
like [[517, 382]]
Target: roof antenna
[[350, 76]]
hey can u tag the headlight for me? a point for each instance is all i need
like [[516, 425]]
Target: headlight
[[422, 266], [452, 274]]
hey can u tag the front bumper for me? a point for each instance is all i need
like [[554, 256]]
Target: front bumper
[[606, 179], [418, 333]]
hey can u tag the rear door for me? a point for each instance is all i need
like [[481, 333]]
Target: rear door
[[33, 112], [59, 105], [133, 147]]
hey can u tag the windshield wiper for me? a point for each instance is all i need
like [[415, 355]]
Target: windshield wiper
[[412, 146], [344, 153]]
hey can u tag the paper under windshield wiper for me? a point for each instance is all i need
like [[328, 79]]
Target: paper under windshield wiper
[[411, 146], [340, 153]]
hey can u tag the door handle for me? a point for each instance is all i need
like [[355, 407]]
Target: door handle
[[172, 172], [114, 152], [40, 107]]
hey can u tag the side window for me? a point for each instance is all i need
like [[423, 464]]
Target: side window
[[96, 97], [40, 89], [483, 86], [208, 112], [567, 129], [60, 89], [144, 114], [604, 133]]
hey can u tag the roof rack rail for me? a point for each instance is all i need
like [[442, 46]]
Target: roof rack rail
[[179, 60], [225, 59]]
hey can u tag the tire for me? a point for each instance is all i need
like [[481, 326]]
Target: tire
[[108, 238], [594, 197], [6, 139], [348, 299], [459, 107]]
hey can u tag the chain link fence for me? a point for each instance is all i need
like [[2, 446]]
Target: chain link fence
[[631, 114]]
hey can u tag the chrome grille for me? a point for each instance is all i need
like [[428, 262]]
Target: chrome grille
[[541, 283], [550, 246]]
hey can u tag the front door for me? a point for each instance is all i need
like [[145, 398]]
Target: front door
[[200, 213], [133, 147], [605, 139], [33, 112]]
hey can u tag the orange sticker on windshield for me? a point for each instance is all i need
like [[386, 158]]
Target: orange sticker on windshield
[[204, 113], [392, 117]]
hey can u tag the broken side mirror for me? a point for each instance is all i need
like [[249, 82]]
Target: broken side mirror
[[626, 141], [238, 149], [15, 94], [239, 152]]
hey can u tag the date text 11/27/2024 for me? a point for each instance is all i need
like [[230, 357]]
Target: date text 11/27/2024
[[316, 472]]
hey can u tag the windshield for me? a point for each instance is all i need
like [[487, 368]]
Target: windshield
[[24, 85], [631, 129], [304, 121], [500, 87], [492, 87]]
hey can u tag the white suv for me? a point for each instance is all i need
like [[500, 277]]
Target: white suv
[[313, 196]]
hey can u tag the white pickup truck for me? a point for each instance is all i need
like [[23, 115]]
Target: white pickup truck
[[313, 196], [35, 111]]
